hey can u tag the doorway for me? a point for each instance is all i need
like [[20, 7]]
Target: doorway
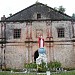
[[36, 54]]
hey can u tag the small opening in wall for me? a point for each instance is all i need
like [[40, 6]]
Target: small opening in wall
[[38, 16]]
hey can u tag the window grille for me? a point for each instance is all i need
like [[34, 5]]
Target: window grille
[[60, 32], [17, 33]]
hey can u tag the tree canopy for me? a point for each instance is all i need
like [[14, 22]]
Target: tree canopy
[[73, 15], [60, 8]]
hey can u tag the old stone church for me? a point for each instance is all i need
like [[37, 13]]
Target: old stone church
[[19, 36]]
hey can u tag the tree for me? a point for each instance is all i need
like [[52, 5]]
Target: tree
[[73, 15], [60, 8]]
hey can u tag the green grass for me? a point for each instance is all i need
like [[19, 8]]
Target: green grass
[[66, 73], [9, 73], [61, 73]]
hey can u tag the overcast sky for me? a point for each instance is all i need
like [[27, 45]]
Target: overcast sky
[[14, 6]]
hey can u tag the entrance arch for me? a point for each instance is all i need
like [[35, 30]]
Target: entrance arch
[[36, 54]]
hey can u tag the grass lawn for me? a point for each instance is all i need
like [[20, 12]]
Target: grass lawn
[[9, 73], [62, 73], [66, 73]]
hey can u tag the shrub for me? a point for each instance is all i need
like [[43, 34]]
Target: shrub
[[30, 65], [54, 65], [7, 69], [42, 67], [69, 68]]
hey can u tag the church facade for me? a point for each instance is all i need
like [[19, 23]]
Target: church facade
[[19, 35]]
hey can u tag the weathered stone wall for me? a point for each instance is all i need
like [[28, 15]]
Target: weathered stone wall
[[15, 56], [62, 24], [63, 50], [64, 53], [17, 51]]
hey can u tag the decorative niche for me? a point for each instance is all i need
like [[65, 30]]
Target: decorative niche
[[39, 32]]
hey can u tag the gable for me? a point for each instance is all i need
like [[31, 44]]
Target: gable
[[30, 13]]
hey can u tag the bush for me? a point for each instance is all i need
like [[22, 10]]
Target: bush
[[7, 69], [54, 65], [42, 67], [30, 65], [69, 69]]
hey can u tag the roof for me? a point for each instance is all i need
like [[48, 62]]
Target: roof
[[30, 13]]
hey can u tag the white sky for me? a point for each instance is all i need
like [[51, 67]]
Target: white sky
[[14, 6]]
